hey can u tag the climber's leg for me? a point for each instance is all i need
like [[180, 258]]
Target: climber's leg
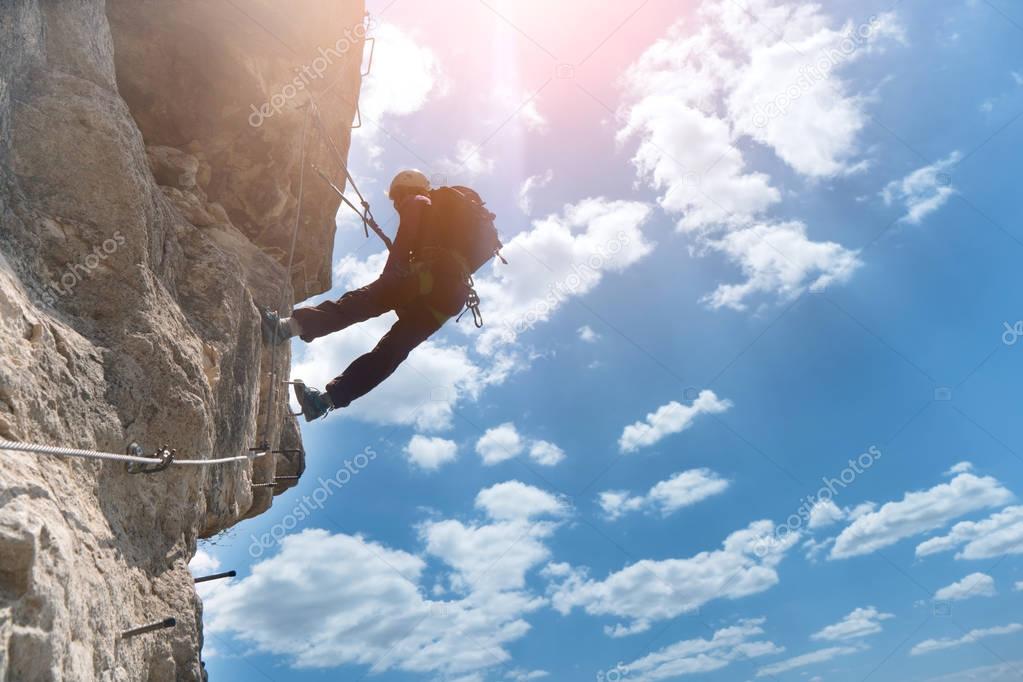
[[415, 325], [387, 293]]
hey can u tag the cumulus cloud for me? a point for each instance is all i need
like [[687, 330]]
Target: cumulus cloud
[[684, 489], [406, 75], [973, 585], [468, 163], [859, 623], [529, 187], [918, 512], [825, 513], [563, 256], [738, 642], [923, 191], [998, 535], [387, 623], [587, 335], [779, 259], [930, 645], [499, 444], [812, 658], [203, 563], [652, 590], [430, 453], [694, 94], [504, 442], [515, 500], [668, 420], [545, 453]]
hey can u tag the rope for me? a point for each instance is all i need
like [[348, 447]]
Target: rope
[[291, 264], [14, 446]]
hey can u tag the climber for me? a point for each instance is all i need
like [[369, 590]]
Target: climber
[[444, 236]]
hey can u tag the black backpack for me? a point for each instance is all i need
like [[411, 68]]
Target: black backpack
[[461, 224]]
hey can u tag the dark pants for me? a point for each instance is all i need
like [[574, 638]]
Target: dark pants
[[424, 300]]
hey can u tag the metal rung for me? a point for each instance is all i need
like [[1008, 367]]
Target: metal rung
[[163, 624], [216, 576]]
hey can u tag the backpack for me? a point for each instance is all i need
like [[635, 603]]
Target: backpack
[[461, 224]]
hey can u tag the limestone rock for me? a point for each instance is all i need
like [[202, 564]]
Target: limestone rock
[[141, 220]]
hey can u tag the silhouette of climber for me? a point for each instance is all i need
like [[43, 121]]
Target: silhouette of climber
[[424, 283]]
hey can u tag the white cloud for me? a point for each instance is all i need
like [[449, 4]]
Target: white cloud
[[499, 444], [859, 623], [918, 512], [812, 658], [930, 645], [531, 117], [468, 163], [668, 420], [695, 656], [1002, 672], [515, 500], [825, 513], [519, 675], [790, 96], [973, 585], [529, 186], [923, 191], [504, 442], [562, 257], [1017, 77], [203, 563], [960, 468], [693, 95], [545, 453], [587, 335], [387, 623], [998, 535], [652, 590], [430, 453], [684, 489], [779, 259], [1018, 587], [406, 74]]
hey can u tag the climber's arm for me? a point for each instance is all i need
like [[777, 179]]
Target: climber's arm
[[411, 212]]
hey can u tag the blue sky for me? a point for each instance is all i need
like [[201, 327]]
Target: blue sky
[[753, 246]]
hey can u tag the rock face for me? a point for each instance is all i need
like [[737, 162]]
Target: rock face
[[148, 197]]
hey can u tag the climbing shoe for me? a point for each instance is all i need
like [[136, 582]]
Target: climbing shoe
[[275, 330], [314, 403]]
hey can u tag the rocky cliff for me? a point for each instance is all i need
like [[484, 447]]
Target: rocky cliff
[[150, 173]]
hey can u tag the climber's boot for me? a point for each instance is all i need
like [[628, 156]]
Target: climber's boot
[[275, 330], [314, 403]]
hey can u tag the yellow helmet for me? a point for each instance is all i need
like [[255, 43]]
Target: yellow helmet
[[409, 179]]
